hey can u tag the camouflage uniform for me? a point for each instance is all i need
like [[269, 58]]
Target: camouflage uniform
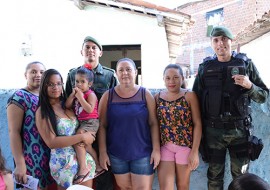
[[226, 113], [104, 79]]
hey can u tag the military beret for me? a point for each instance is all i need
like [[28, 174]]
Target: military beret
[[221, 31], [91, 39]]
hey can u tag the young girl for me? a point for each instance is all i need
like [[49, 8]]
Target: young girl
[[85, 105], [180, 128], [6, 181]]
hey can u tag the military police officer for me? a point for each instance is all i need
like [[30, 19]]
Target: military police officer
[[104, 79], [225, 85]]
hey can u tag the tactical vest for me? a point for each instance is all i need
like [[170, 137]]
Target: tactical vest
[[222, 99]]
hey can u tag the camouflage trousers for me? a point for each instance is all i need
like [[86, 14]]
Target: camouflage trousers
[[218, 141]]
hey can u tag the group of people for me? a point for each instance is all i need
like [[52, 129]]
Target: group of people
[[105, 131]]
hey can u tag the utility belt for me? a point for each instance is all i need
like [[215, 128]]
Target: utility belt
[[228, 124]]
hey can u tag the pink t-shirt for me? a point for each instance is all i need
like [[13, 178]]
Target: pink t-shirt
[[2, 183]]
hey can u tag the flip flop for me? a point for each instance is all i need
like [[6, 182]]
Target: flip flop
[[98, 173], [80, 178]]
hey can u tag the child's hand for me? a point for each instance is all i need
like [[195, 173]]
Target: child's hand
[[79, 93], [73, 93]]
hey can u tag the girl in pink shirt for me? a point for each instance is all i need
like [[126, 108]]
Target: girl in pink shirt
[[6, 181]]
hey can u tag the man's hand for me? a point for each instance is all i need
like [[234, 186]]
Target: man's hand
[[242, 80]]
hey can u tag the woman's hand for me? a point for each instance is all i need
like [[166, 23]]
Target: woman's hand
[[88, 137], [104, 160], [193, 160], [20, 173], [155, 158]]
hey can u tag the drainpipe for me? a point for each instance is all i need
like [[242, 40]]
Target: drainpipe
[[238, 48]]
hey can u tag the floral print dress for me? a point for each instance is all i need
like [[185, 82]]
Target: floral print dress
[[63, 162]]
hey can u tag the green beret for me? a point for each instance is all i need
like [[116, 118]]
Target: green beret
[[221, 31], [91, 39]]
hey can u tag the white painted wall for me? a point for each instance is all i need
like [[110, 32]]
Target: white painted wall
[[258, 50], [57, 29]]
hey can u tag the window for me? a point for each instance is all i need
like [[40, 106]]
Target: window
[[213, 18]]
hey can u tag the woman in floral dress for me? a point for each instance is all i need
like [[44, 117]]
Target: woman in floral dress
[[57, 126]]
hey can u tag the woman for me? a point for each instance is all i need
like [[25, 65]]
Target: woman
[[57, 126], [128, 134], [30, 153], [180, 129]]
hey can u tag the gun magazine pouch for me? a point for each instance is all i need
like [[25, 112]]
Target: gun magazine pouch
[[255, 147]]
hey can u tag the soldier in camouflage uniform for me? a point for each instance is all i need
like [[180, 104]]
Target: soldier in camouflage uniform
[[104, 79], [225, 85]]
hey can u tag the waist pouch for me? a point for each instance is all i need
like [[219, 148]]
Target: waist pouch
[[224, 125], [255, 147]]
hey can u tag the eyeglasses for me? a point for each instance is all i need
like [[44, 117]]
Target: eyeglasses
[[52, 85]]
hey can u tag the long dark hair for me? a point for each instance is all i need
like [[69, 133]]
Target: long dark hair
[[3, 169], [47, 111]]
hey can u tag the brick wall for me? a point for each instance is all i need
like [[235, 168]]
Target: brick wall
[[237, 14]]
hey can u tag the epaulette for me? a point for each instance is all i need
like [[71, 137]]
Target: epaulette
[[242, 56], [209, 58], [107, 68], [70, 70], [73, 69]]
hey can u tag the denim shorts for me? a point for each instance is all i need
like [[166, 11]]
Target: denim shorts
[[140, 166]]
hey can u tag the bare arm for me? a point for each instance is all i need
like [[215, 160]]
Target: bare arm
[[197, 130], [8, 181], [153, 123], [70, 99], [15, 117], [102, 111], [53, 141], [89, 104]]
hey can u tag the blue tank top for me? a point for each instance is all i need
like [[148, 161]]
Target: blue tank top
[[128, 131]]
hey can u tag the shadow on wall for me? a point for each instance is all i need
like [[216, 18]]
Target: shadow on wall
[[261, 122]]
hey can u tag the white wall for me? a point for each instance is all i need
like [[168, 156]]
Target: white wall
[[258, 50], [57, 29]]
